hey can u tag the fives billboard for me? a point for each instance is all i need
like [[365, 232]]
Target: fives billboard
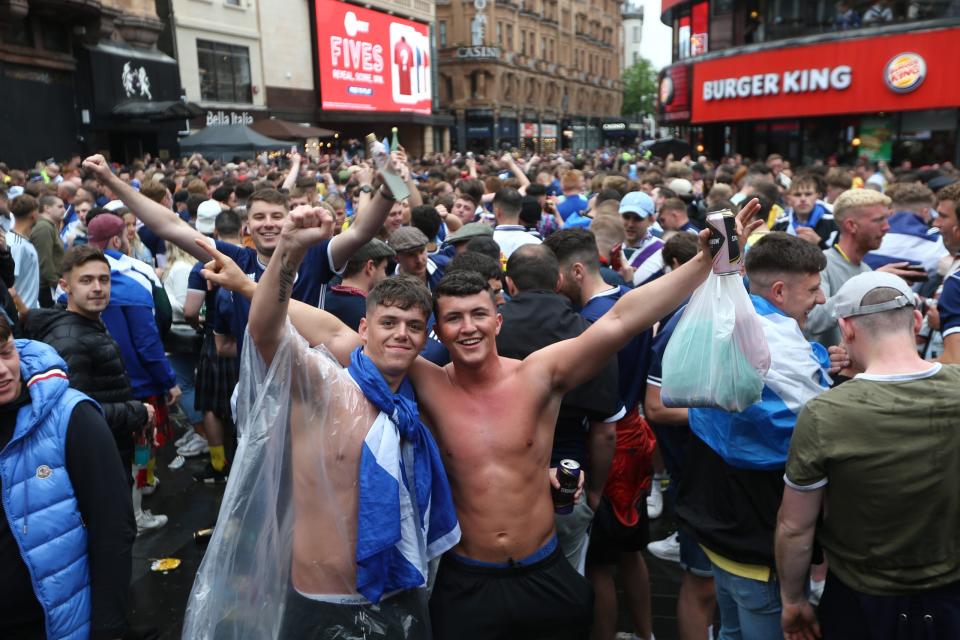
[[371, 61]]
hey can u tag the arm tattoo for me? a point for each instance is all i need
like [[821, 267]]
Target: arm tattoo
[[286, 279]]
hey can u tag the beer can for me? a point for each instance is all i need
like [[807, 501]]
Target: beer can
[[202, 535], [724, 243], [568, 475]]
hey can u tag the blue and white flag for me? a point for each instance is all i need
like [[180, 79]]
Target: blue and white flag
[[909, 240], [759, 437], [406, 515]]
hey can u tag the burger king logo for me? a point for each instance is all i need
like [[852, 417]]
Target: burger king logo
[[905, 72]]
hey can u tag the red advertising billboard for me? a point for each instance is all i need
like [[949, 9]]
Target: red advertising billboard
[[889, 73], [673, 95], [371, 61]]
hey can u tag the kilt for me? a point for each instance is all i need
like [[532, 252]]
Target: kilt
[[216, 378]]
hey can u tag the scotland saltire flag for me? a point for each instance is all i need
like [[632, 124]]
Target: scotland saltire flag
[[406, 515], [909, 240], [759, 437]]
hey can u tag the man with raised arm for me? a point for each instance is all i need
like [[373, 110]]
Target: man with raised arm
[[267, 210], [494, 420], [366, 503]]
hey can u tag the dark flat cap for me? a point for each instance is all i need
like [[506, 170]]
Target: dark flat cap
[[407, 239]]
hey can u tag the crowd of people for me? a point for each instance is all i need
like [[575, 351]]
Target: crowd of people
[[392, 361]]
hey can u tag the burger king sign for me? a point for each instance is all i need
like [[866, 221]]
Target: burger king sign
[[905, 72]]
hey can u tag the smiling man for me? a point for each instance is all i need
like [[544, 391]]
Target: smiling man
[[506, 578], [729, 497], [370, 504]]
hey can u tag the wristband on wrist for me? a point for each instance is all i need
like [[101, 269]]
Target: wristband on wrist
[[386, 194]]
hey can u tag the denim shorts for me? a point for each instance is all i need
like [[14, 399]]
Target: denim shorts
[[692, 557]]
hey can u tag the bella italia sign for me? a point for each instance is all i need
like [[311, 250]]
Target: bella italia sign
[[232, 118]]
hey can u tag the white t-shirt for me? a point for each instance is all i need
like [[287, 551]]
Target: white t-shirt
[[26, 272], [512, 236]]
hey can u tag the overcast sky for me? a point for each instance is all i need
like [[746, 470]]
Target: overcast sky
[[656, 36]]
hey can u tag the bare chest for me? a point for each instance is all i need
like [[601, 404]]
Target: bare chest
[[478, 427]]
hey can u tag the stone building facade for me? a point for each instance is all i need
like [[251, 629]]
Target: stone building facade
[[540, 73]]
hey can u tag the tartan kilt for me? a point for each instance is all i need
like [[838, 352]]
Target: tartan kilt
[[216, 378]]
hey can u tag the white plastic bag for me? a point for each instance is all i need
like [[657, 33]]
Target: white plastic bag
[[717, 355]]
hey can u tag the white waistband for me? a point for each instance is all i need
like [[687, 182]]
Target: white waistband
[[337, 598]]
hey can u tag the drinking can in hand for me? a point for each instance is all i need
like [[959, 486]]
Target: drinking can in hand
[[724, 243], [568, 475]]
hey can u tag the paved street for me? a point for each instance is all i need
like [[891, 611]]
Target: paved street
[[158, 601]]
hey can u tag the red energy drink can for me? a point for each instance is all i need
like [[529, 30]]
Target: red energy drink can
[[724, 243], [568, 475]]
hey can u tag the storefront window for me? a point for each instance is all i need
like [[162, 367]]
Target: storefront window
[[778, 19], [224, 72], [927, 136]]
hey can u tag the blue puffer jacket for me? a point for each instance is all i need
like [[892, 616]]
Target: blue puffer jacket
[[38, 497]]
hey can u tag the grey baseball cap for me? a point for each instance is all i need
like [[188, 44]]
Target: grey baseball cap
[[847, 302]]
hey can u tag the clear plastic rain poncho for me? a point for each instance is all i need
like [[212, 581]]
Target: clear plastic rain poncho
[[718, 354], [289, 514]]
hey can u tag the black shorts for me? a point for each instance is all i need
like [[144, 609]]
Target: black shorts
[[546, 600], [609, 537], [400, 617], [851, 615]]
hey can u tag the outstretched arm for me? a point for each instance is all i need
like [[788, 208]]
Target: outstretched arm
[[291, 180], [370, 217], [511, 164], [572, 362], [315, 325], [371, 214], [159, 219]]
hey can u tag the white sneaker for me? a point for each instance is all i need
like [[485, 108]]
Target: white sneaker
[[193, 448], [146, 521], [151, 489], [655, 500], [667, 549], [186, 437]]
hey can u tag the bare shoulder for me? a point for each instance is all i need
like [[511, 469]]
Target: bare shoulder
[[426, 375]]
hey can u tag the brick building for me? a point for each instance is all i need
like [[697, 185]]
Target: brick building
[[534, 73]]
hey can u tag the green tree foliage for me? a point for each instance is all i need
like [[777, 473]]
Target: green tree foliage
[[639, 88]]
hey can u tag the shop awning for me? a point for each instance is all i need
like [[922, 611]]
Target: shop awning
[[228, 141], [286, 130], [665, 146], [157, 111]]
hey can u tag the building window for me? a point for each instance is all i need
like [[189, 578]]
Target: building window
[[636, 33], [509, 37], [232, 3], [500, 33], [636, 57], [523, 41], [443, 33], [224, 72]]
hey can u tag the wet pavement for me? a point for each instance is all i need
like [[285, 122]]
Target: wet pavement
[[158, 601]]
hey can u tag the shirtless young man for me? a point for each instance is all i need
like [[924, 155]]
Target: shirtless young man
[[348, 429], [494, 420]]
